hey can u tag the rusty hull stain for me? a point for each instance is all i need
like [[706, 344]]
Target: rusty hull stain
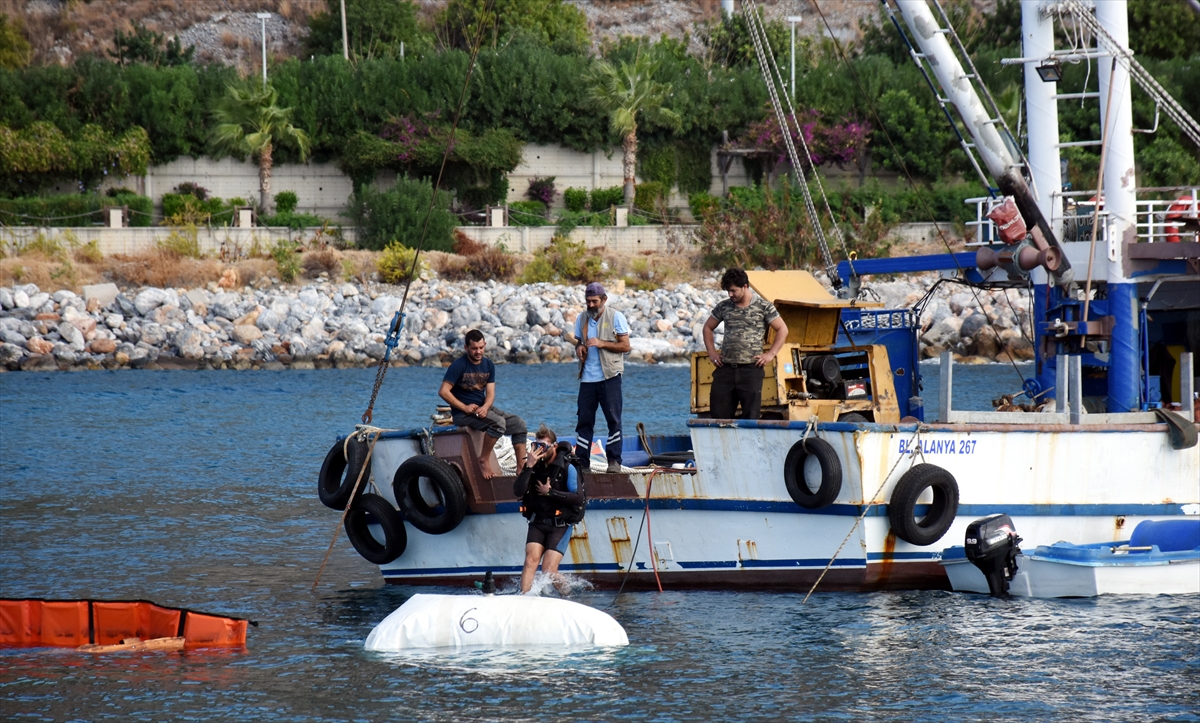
[[618, 535], [580, 546], [886, 562], [751, 550]]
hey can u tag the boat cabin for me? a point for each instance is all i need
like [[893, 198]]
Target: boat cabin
[[814, 374]]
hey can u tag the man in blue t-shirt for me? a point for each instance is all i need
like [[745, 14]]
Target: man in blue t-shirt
[[469, 387], [601, 345]]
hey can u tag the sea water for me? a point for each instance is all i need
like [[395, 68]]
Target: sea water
[[198, 490]]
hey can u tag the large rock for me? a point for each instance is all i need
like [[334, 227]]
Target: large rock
[[8, 336], [72, 336], [314, 331], [250, 318], [37, 301], [245, 334], [84, 322], [103, 294], [943, 334], [148, 300], [103, 346], [267, 320], [11, 354], [153, 334], [20, 299], [513, 314], [38, 345], [6, 299], [39, 363], [465, 315], [385, 305], [348, 290], [188, 344]]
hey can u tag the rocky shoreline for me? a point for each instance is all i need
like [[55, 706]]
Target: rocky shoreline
[[328, 324]]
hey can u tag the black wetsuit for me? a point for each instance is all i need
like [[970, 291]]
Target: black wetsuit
[[545, 512]]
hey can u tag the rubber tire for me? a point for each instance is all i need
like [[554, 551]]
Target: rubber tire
[[902, 506], [368, 508], [831, 473], [853, 418], [434, 520], [337, 478]]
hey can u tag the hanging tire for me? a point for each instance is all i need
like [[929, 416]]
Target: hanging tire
[[853, 418], [339, 472], [902, 507], [430, 494], [371, 509], [805, 461]]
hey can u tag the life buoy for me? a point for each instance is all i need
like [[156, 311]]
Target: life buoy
[[371, 509], [339, 472], [902, 507], [804, 461], [1175, 214], [430, 494]]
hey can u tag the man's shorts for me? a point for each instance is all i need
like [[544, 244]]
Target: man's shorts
[[549, 536], [496, 424]]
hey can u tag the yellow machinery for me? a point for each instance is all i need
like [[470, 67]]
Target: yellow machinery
[[811, 376]]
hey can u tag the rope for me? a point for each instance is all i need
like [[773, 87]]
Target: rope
[[866, 508], [638, 539], [353, 494], [398, 320], [1105, 137]]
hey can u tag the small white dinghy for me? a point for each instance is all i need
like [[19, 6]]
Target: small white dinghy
[[1161, 558], [456, 621]]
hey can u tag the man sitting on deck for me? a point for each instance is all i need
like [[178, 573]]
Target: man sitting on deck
[[469, 387]]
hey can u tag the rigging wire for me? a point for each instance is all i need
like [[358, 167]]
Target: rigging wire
[[911, 181], [753, 23], [778, 78], [398, 320]]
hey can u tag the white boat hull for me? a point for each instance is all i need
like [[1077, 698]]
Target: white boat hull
[[733, 523]]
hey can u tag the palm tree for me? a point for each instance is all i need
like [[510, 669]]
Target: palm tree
[[249, 121], [624, 91]]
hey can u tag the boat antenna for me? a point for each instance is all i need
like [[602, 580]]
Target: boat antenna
[[397, 323]]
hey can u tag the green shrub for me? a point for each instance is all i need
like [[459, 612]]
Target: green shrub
[[398, 214], [647, 195], [285, 201], [604, 198], [563, 260], [294, 221], [576, 199], [72, 210], [527, 213], [287, 261], [182, 242], [395, 264], [702, 204]]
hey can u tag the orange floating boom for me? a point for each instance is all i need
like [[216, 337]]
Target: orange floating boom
[[36, 622]]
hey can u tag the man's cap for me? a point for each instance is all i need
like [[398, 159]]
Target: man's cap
[[594, 289]]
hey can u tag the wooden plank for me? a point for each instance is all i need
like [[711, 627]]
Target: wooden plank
[[134, 645]]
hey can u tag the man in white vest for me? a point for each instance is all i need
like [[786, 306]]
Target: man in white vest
[[601, 345]]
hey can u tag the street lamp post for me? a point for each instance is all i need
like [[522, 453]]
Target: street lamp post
[[793, 20], [263, 18]]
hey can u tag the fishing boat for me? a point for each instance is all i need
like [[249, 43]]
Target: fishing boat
[[843, 481], [1162, 557]]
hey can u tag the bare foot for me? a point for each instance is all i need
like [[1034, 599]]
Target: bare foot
[[485, 469]]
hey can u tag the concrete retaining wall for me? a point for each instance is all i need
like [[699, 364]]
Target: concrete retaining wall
[[215, 241]]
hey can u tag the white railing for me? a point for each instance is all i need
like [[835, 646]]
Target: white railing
[[1153, 224]]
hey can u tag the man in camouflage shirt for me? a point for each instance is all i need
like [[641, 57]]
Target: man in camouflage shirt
[[738, 377]]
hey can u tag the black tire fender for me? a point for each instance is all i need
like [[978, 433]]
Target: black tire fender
[[340, 471], [942, 511], [371, 509], [433, 516], [797, 483]]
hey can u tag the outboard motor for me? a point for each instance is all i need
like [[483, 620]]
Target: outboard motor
[[991, 545]]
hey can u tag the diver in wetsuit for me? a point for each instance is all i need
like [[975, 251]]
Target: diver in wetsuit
[[552, 499]]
